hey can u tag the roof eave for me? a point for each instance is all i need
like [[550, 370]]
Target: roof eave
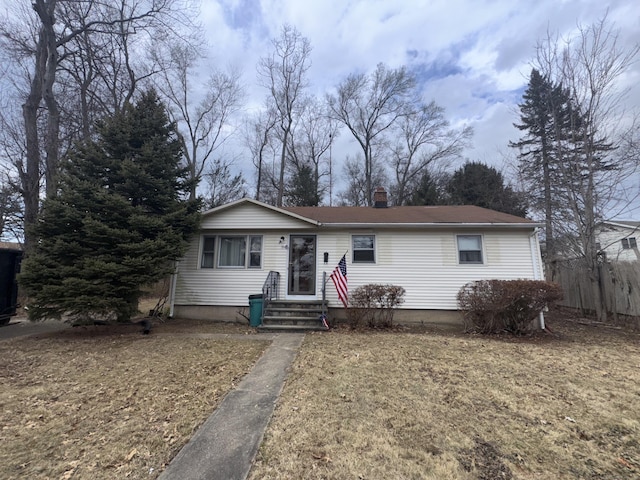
[[622, 225], [531, 225]]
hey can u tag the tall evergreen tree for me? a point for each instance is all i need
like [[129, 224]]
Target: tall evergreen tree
[[478, 184], [118, 223], [303, 190], [547, 120], [428, 192]]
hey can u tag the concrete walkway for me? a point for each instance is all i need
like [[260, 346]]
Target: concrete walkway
[[19, 327], [225, 445]]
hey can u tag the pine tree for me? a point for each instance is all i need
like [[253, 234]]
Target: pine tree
[[427, 192], [302, 190], [478, 184], [118, 223], [552, 153]]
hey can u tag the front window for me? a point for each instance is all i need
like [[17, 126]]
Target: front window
[[469, 249], [363, 249], [232, 251]]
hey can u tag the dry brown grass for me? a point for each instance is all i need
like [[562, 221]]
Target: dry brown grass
[[444, 406], [108, 402]]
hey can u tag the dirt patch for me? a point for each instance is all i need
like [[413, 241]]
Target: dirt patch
[[485, 461], [107, 402]]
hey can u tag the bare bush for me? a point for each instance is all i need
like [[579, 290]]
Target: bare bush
[[492, 306], [373, 305]]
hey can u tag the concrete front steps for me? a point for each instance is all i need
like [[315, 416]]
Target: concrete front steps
[[292, 316]]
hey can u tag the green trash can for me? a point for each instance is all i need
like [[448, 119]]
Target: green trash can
[[255, 310]]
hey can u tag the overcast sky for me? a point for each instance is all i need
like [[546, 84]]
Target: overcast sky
[[474, 56]]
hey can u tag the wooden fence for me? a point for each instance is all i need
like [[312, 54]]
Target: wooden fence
[[620, 287]]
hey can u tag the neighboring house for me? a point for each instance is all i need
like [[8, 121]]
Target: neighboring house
[[619, 240], [431, 251]]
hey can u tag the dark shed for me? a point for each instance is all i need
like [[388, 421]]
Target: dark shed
[[10, 257]]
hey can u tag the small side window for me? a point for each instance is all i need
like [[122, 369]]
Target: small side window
[[208, 252], [629, 242], [470, 249]]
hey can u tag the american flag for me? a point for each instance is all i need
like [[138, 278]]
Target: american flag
[[339, 277]]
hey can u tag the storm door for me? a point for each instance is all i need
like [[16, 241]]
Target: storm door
[[302, 265]]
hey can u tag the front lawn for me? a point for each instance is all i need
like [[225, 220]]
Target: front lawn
[[451, 406], [107, 402]]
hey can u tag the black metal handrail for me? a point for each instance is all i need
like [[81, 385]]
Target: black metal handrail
[[270, 290], [324, 294]]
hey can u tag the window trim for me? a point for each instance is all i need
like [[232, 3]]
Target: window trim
[[373, 249], [482, 255]]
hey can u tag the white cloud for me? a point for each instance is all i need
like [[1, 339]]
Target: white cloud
[[473, 55]]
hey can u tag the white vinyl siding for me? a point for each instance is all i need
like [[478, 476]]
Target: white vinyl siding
[[425, 263], [251, 216]]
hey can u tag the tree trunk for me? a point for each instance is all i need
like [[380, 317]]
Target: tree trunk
[[283, 157]]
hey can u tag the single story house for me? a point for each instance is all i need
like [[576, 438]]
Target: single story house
[[431, 251], [618, 240]]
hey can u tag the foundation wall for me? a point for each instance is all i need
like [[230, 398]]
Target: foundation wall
[[443, 318]]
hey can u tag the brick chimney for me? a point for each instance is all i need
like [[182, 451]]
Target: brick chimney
[[380, 198]]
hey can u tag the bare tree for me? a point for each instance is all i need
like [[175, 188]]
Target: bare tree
[[283, 73], [12, 156], [222, 185], [369, 106], [314, 132], [594, 164], [10, 208], [423, 137], [357, 192], [205, 126], [55, 37], [258, 136]]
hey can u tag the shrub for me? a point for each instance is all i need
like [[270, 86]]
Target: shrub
[[492, 306], [374, 304]]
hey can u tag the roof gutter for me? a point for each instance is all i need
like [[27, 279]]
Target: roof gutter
[[434, 225]]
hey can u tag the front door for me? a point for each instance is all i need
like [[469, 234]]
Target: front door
[[302, 265]]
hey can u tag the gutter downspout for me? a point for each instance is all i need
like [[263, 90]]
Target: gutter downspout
[[538, 273], [172, 290]]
